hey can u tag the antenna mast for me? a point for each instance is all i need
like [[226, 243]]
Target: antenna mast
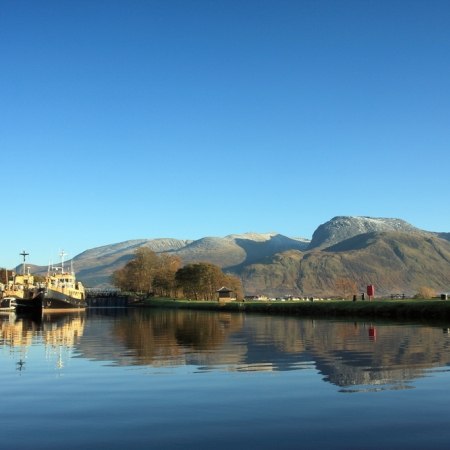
[[62, 254], [24, 254]]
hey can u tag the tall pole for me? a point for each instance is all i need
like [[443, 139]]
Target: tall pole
[[62, 254], [24, 254]]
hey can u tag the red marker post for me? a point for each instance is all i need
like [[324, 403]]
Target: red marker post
[[370, 291]]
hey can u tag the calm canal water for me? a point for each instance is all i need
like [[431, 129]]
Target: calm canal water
[[166, 379]]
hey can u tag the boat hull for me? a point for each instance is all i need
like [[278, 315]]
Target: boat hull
[[50, 300], [30, 303], [57, 300]]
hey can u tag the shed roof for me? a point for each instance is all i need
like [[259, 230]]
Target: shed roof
[[224, 289]]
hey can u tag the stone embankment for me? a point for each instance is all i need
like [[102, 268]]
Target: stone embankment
[[383, 309]]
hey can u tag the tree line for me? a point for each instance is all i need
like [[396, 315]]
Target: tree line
[[163, 275]]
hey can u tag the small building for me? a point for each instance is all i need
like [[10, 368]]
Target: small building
[[256, 298], [225, 295]]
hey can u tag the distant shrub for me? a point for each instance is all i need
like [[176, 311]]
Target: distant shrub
[[425, 292]]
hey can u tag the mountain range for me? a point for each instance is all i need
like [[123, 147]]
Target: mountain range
[[390, 253]]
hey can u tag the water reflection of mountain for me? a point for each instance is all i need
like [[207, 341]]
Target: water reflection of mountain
[[359, 353], [346, 354], [364, 354]]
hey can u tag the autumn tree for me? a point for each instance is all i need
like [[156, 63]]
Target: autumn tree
[[4, 275], [121, 279], [425, 292], [148, 272], [201, 281], [197, 280], [163, 276], [164, 282], [235, 284]]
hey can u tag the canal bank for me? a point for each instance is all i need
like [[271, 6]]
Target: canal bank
[[386, 309]]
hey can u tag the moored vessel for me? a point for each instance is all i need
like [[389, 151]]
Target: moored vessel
[[62, 290], [59, 291], [22, 289]]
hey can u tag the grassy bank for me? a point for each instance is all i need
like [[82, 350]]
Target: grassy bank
[[393, 309]]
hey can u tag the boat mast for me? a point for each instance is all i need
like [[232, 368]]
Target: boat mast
[[24, 254], [62, 254]]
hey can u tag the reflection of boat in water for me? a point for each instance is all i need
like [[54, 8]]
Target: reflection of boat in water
[[52, 329], [8, 304], [59, 291], [57, 332]]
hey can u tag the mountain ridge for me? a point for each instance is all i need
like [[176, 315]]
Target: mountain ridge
[[369, 250], [340, 228]]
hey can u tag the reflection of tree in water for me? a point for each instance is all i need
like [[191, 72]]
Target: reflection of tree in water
[[345, 353], [202, 332], [167, 336]]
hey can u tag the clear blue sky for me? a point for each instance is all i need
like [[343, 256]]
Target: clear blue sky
[[127, 119]]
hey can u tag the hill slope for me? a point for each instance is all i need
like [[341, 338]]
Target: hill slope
[[395, 262], [390, 253], [95, 267]]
